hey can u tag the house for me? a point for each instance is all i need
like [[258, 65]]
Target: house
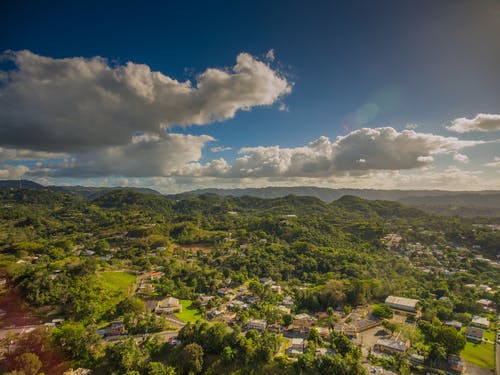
[[323, 331], [258, 324], [296, 348], [485, 303], [417, 359], [485, 288], [284, 309], [204, 299], [275, 327], [481, 322], [454, 324], [324, 351], [224, 291], [408, 305], [364, 324], [276, 289], [345, 329], [266, 281], [168, 305], [474, 334], [155, 275], [303, 321], [237, 304], [214, 313], [456, 363], [116, 329], [287, 301], [390, 346]]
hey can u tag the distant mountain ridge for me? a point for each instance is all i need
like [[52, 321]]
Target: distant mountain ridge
[[329, 195], [19, 184], [82, 191], [461, 203]]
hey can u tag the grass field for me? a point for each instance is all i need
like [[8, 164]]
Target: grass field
[[482, 355], [118, 281], [490, 334], [188, 314]]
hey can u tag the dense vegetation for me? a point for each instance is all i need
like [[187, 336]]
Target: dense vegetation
[[80, 259]]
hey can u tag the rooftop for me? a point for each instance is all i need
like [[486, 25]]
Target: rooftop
[[403, 301], [396, 345]]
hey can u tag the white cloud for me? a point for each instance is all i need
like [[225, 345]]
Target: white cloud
[[220, 149], [270, 55], [13, 172], [78, 104], [462, 158], [283, 107], [146, 156], [357, 153], [483, 122], [411, 126], [494, 164]]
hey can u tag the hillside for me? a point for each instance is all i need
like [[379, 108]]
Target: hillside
[[468, 204], [85, 261], [440, 202]]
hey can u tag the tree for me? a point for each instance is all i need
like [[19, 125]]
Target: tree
[[342, 343], [192, 358], [125, 355], [452, 340], [214, 338], [28, 363], [437, 353], [314, 337], [76, 340], [389, 326], [382, 311], [227, 354], [158, 368], [287, 319], [130, 305], [332, 294]]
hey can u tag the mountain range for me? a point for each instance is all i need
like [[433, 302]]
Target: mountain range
[[460, 203]]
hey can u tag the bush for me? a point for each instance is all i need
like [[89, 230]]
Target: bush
[[382, 311]]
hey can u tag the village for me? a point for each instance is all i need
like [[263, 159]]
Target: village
[[379, 338]]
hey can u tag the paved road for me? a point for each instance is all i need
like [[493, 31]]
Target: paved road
[[162, 336]]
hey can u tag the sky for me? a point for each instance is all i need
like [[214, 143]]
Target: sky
[[184, 95]]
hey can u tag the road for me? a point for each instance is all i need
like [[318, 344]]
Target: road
[[161, 336]]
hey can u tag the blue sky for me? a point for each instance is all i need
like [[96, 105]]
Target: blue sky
[[336, 68]]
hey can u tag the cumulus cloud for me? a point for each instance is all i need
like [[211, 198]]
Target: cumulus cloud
[[78, 104], [461, 158], [145, 156], [483, 122], [494, 164], [356, 153], [13, 171]]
